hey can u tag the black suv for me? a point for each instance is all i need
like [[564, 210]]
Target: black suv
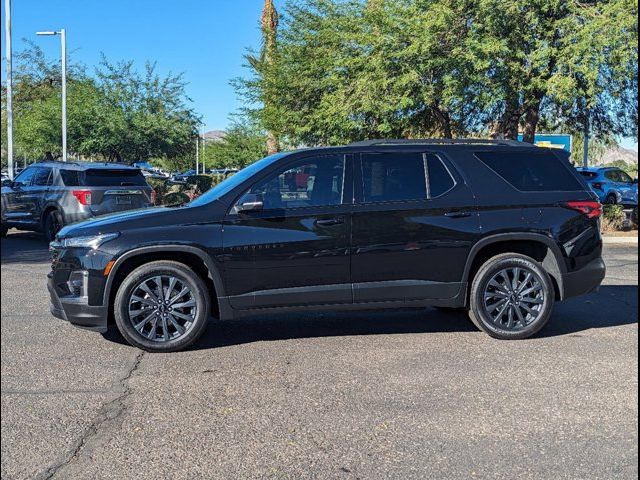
[[47, 195], [501, 228]]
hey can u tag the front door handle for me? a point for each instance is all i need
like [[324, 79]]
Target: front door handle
[[462, 214], [329, 222]]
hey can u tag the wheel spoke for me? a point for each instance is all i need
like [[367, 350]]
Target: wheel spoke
[[165, 329], [154, 329], [533, 301], [510, 317], [145, 288], [190, 303], [176, 325], [144, 301], [140, 325], [181, 294], [515, 282], [182, 316], [172, 286], [499, 286], [158, 281], [521, 318], [525, 282]]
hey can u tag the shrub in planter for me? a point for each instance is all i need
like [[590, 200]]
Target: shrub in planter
[[199, 183], [175, 198], [612, 218], [160, 186]]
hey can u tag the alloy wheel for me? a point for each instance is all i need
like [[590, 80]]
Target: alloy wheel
[[514, 298], [162, 308]]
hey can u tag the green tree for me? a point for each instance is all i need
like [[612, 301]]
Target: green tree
[[242, 145]]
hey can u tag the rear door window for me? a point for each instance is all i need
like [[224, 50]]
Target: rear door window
[[531, 171], [391, 177], [100, 177]]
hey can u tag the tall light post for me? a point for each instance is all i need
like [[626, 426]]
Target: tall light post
[[63, 54], [7, 18]]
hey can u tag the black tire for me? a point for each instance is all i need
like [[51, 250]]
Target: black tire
[[481, 286], [612, 199], [189, 279], [52, 224]]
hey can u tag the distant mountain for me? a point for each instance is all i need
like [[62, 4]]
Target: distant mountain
[[618, 153], [215, 135]]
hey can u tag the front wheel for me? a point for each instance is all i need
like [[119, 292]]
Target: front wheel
[[612, 199], [512, 297], [162, 306]]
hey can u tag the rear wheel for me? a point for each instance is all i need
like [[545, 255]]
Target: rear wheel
[[612, 199], [52, 225], [512, 297], [162, 307]]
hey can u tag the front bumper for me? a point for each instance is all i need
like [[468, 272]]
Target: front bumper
[[585, 280], [77, 311]]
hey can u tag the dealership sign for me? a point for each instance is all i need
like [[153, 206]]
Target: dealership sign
[[552, 140]]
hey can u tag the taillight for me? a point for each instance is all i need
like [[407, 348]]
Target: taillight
[[83, 196], [154, 197], [591, 208]]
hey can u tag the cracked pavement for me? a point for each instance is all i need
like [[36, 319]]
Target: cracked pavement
[[405, 394]]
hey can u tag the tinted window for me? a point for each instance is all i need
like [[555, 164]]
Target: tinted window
[[310, 183], [589, 174], [100, 177], [393, 177], [70, 178], [531, 172], [439, 178], [25, 178], [42, 177], [618, 176]]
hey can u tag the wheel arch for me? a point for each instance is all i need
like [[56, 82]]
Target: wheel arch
[[537, 246], [193, 257]]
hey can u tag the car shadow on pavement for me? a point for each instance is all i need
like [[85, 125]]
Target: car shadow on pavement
[[612, 306], [25, 247]]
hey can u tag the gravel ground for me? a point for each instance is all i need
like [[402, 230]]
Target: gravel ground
[[404, 394]]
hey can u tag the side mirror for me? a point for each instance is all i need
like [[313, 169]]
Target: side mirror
[[251, 202]]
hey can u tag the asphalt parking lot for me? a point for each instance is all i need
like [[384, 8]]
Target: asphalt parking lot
[[405, 394]]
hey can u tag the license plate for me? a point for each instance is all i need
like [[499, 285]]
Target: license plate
[[123, 200]]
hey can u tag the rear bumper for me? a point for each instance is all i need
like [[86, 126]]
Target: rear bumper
[[585, 280], [77, 311]]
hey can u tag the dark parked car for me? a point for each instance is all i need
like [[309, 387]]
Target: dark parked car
[[612, 185], [501, 228], [46, 196]]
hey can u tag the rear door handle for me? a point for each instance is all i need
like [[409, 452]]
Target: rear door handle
[[457, 214], [329, 222]]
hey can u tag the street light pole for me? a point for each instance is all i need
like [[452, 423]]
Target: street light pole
[[63, 61], [63, 49], [7, 18]]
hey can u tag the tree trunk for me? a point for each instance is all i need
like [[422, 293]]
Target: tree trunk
[[445, 119], [531, 119], [507, 126], [273, 145]]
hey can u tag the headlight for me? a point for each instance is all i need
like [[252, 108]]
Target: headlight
[[93, 241]]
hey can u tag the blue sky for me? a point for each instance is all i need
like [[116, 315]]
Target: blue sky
[[205, 39]]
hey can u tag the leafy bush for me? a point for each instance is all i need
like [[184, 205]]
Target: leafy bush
[[159, 185], [174, 199], [613, 218]]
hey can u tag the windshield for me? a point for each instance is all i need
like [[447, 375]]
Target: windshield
[[236, 179]]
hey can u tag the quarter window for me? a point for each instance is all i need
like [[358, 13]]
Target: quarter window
[[532, 172], [313, 182]]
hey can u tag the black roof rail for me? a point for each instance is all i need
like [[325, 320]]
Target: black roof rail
[[440, 141]]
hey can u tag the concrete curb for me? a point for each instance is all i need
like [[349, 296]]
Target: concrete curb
[[613, 240]]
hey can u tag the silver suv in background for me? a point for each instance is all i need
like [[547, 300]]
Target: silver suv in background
[[48, 195]]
